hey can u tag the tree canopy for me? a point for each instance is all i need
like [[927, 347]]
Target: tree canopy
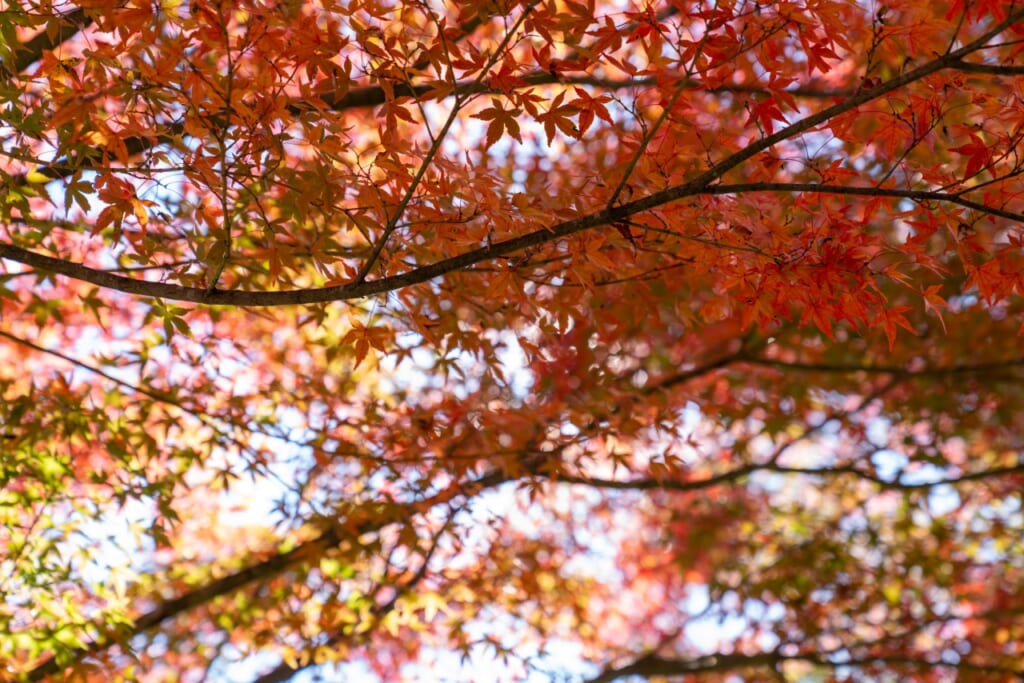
[[511, 339]]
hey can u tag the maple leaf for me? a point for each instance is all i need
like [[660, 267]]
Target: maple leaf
[[893, 317], [765, 112], [506, 78], [979, 155], [501, 121], [590, 107], [558, 117], [935, 303]]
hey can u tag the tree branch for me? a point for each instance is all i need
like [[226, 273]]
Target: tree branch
[[259, 571], [283, 671], [897, 370], [435, 147], [701, 184], [374, 95], [991, 69], [275, 565], [917, 195], [652, 484], [653, 665], [32, 51]]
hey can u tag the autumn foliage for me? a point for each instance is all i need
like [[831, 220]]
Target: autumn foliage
[[499, 339]]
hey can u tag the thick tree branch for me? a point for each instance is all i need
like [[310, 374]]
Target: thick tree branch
[[652, 665], [435, 147], [700, 184], [991, 69], [374, 95], [275, 565], [28, 53], [283, 671], [259, 571], [358, 290], [897, 370], [661, 484], [916, 195]]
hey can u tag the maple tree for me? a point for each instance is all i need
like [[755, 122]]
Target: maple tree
[[571, 338]]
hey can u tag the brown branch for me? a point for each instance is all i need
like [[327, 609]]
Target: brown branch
[[435, 147], [284, 671], [652, 484], [675, 379], [374, 95], [700, 184], [275, 565], [770, 465], [172, 608], [260, 571], [990, 69], [917, 195], [654, 665], [135, 145], [897, 370], [160, 397], [32, 51]]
